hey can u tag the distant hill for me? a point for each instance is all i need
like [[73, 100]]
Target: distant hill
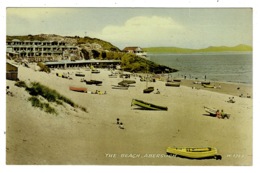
[[238, 48]]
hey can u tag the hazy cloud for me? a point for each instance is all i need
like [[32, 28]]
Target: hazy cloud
[[142, 30]]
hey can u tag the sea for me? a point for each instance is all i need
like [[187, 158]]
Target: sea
[[225, 67]]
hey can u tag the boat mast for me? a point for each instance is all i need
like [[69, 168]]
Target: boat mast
[[146, 74]]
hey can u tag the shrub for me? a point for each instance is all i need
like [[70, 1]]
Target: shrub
[[43, 106], [35, 102], [50, 95], [49, 109], [20, 84]]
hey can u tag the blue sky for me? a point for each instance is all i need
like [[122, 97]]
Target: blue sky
[[145, 27]]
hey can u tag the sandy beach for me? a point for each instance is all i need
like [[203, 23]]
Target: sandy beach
[[74, 137]]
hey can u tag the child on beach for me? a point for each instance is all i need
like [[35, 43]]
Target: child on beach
[[121, 126]]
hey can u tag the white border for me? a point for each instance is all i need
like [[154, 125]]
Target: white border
[[132, 3]]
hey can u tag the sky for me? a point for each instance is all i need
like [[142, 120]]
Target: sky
[[144, 27]]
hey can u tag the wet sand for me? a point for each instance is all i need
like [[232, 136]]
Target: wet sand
[[77, 138]]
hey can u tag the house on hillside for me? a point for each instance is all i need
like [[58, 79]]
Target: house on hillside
[[11, 71], [136, 50]]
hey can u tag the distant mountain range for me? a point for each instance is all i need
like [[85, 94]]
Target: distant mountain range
[[238, 48]]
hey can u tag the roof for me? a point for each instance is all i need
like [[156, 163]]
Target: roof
[[131, 48], [16, 40], [80, 62], [11, 67]]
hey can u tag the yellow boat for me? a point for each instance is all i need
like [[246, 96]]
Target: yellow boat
[[194, 153], [208, 86]]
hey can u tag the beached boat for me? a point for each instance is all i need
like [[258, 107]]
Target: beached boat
[[95, 71], [93, 82], [78, 89], [146, 105], [120, 87], [126, 82], [208, 86], [79, 74], [205, 83], [194, 153], [148, 90], [172, 84], [211, 111]]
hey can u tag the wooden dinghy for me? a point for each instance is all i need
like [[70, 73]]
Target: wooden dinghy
[[93, 82], [78, 89], [205, 83], [211, 111], [146, 105], [121, 87], [148, 90], [172, 84], [126, 83], [79, 74], [194, 153], [208, 86], [95, 71]]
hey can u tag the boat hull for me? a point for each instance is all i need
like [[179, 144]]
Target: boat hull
[[80, 74], [148, 90], [93, 82], [120, 87], [172, 84], [193, 153], [148, 106], [78, 89], [95, 71], [208, 86]]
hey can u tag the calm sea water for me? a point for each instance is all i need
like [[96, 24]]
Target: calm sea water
[[228, 67]]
